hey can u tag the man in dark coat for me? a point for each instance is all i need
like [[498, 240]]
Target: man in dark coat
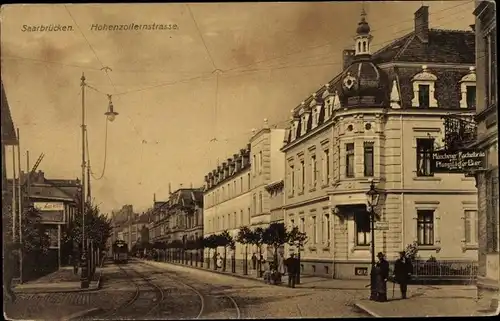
[[381, 277], [254, 261], [292, 268], [402, 273]]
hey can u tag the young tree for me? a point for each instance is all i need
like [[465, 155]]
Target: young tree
[[243, 237], [275, 235], [35, 242], [298, 239], [198, 246], [225, 240], [177, 245], [97, 227], [256, 238], [210, 242]]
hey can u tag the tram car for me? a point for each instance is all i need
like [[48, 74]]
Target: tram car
[[120, 252]]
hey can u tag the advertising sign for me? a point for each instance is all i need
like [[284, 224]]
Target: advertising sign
[[457, 161], [49, 206], [50, 211]]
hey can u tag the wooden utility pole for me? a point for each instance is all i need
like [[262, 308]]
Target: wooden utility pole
[[14, 199], [20, 205]]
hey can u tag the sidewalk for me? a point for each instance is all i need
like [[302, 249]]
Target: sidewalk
[[306, 281], [428, 301], [62, 280]]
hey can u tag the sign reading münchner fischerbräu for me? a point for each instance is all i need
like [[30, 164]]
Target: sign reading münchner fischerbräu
[[457, 161]]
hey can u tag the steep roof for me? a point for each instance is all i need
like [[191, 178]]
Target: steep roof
[[444, 46], [9, 136]]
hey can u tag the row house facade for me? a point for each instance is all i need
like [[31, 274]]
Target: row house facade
[[179, 218], [240, 192], [379, 120], [227, 198], [488, 280]]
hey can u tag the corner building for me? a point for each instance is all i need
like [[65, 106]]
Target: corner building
[[488, 280], [380, 119]]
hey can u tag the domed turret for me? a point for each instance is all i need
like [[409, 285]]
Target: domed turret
[[364, 84], [363, 26], [363, 37]]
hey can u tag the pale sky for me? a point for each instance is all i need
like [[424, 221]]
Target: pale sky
[[271, 56]]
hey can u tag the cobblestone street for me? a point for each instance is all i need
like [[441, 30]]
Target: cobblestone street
[[54, 306], [258, 300], [183, 290]]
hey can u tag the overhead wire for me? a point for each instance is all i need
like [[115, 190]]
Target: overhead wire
[[333, 41], [94, 176], [287, 120], [103, 67], [208, 74], [215, 70]]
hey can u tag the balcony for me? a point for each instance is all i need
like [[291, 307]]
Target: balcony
[[460, 131]]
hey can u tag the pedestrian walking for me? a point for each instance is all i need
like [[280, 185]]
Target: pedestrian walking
[[402, 273], [215, 257], [292, 268], [381, 276], [254, 261], [219, 261], [281, 264]]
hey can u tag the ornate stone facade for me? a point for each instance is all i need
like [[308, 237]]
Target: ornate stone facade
[[380, 119]]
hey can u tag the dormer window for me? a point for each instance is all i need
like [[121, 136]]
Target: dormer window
[[316, 108], [423, 96], [468, 89], [471, 96], [328, 107], [423, 89], [315, 120], [304, 124]]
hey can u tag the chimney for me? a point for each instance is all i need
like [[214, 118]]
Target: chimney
[[348, 57], [422, 24]]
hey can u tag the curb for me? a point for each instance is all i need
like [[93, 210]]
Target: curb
[[81, 314], [214, 271], [367, 310], [42, 291]]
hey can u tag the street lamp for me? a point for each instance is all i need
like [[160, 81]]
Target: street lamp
[[111, 114], [372, 198]]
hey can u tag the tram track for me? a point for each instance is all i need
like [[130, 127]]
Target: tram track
[[213, 304], [147, 298]]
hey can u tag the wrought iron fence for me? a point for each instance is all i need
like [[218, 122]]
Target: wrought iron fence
[[444, 270]]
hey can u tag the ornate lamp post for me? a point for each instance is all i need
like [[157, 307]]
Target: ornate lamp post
[[372, 197], [110, 114]]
